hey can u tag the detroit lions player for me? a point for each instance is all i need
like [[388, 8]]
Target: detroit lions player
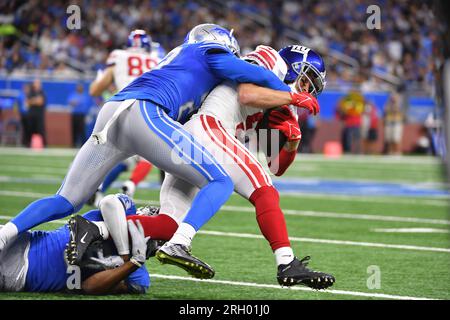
[[144, 119], [34, 261]]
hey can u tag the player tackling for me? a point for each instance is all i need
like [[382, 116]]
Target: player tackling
[[145, 119]]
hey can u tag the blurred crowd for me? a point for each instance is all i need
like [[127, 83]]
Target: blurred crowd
[[34, 35]]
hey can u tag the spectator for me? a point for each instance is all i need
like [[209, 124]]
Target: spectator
[[36, 110], [393, 125], [369, 128], [80, 106], [349, 111], [23, 112]]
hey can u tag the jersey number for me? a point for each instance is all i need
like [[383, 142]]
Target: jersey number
[[138, 65]]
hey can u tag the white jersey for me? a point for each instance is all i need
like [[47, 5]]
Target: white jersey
[[223, 103], [130, 64]]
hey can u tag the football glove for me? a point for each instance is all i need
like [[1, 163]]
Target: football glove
[[305, 100], [138, 242], [283, 120], [107, 263]]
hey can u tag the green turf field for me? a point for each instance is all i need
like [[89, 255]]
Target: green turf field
[[345, 235]]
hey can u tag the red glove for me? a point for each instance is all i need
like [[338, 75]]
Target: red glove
[[305, 100], [282, 119]]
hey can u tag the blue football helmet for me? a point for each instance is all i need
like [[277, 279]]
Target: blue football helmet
[[304, 64], [139, 39], [209, 32]]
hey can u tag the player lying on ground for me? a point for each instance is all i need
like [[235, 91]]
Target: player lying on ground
[[35, 261], [145, 119], [218, 121], [123, 67]]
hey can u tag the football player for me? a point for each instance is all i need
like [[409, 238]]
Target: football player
[[122, 67], [35, 261], [146, 117], [220, 119]]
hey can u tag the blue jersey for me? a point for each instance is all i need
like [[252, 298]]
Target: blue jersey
[[47, 270], [188, 73]]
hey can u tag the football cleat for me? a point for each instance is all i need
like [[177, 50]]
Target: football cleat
[[128, 188], [180, 256], [82, 233], [147, 211], [152, 247], [296, 272]]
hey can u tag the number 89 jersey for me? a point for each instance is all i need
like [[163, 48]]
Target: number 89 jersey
[[130, 64]]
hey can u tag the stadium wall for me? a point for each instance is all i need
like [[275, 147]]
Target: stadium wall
[[58, 123]]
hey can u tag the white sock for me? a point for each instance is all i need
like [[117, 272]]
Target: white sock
[[7, 233], [115, 219], [184, 235], [284, 255], [103, 229]]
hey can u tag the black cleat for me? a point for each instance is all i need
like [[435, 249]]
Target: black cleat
[[296, 272], [180, 256], [82, 233], [152, 247]]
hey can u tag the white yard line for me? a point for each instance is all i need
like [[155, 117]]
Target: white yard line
[[338, 215], [369, 159], [36, 169], [411, 230], [311, 240], [442, 202], [329, 241], [305, 213], [53, 152], [301, 157], [297, 288]]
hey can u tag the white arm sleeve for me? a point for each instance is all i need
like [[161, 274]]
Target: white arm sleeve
[[114, 216]]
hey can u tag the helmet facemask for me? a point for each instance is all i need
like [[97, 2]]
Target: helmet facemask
[[309, 74]]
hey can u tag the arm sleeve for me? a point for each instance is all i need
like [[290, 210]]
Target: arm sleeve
[[228, 67], [284, 160]]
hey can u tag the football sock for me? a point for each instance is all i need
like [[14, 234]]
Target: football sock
[[184, 235], [284, 255], [159, 227], [103, 229], [140, 171], [7, 233], [43, 210], [270, 217], [114, 216], [112, 176], [208, 201]]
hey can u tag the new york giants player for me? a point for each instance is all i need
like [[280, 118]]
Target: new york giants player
[[144, 119], [124, 66]]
